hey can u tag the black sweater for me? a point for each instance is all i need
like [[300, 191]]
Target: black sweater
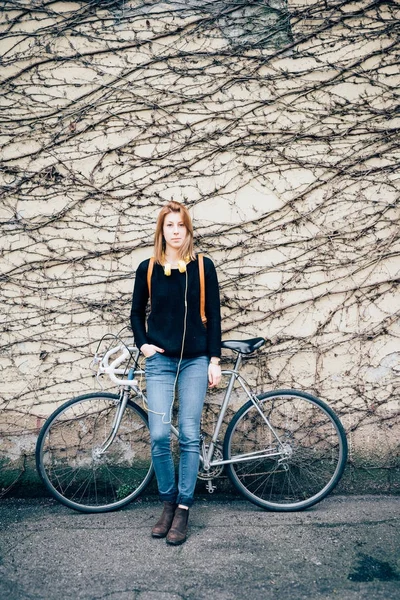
[[165, 324]]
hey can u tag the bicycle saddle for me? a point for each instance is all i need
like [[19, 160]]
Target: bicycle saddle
[[244, 346]]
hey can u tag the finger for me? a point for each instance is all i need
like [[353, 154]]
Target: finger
[[217, 379]]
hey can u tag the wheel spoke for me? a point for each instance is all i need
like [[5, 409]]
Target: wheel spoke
[[311, 451], [75, 470]]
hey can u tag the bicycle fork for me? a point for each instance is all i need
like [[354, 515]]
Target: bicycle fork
[[119, 413]]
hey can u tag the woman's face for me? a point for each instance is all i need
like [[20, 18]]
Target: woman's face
[[174, 230]]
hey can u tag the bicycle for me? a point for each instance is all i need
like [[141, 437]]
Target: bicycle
[[284, 450]]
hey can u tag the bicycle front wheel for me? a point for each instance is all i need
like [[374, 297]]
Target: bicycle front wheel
[[288, 453], [71, 461]]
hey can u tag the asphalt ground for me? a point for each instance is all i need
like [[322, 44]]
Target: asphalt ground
[[346, 547]]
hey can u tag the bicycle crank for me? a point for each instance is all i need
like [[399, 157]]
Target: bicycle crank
[[212, 471], [210, 486]]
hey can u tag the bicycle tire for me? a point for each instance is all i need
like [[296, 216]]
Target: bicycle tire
[[67, 456], [315, 445]]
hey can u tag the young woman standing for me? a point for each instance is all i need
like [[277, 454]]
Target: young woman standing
[[182, 353]]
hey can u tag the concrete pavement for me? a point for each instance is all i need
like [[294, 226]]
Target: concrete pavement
[[346, 547]]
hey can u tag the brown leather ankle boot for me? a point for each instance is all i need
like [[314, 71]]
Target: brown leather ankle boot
[[178, 531], [163, 524]]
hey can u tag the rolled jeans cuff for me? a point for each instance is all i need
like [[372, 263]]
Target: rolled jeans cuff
[[169, 497], [185, 501]]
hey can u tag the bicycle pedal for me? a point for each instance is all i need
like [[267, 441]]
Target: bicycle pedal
[[210, 486]]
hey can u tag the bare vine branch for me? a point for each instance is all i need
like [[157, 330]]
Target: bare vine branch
[[276, 122]]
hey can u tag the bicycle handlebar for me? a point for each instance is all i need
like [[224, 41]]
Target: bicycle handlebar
[[112, 369]]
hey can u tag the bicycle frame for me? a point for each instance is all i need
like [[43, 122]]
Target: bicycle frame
[[205, 457]]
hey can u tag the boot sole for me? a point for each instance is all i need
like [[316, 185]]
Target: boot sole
[[176, 543]]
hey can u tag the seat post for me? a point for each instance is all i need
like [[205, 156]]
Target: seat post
[[238, 361], [223, 408]]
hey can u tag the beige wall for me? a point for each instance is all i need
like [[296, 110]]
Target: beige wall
[[287, 160]]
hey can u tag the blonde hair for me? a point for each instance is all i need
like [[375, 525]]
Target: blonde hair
[[186, 249]]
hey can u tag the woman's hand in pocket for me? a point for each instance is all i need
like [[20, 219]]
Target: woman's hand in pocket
[[150, 349]]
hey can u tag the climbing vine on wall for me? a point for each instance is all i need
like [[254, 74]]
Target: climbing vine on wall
[[275, 122]]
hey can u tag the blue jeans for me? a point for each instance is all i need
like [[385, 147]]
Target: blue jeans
[[192, 387]]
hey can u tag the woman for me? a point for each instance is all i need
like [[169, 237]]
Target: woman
[[181, 353]]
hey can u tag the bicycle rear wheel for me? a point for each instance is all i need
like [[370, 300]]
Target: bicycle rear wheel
[[70, 461], [302, 469]]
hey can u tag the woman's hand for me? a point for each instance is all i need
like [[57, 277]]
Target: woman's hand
[[150, 349], [214, 375]]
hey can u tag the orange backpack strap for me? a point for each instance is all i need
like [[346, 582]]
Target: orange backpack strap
[[202, 289], [149, 274], [202, 285]]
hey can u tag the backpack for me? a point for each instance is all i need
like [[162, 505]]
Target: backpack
[[202, 285]]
